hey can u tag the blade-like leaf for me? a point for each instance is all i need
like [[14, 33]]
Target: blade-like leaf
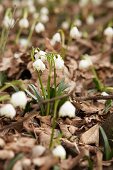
[[13, 161], [107, 148]]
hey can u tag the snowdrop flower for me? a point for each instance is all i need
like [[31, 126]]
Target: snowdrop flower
[[31, 8], [19, 99], [44, 11], [56, 39], [85, 63], [59, 62], [40, 55], [97, 2], [39, 65], [83, 3], [8, 22], [24, 23], [23, 42], [59, 151], [78, 22], [44, 18], [90, 20], [108, 32], [65, 25], [39, 28], [104, 93], [75, 33], [8, 111], [41, 1], [67, 109]]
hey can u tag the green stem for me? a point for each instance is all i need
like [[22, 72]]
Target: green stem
[[55, 80], [96, 77], [18, 35], [31, 32], [42, 88], [48, 89], [54, 123]]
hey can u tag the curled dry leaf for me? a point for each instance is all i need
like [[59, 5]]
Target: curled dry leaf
[[91, 136]]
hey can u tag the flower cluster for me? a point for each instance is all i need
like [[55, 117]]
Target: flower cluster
[[41, 56]]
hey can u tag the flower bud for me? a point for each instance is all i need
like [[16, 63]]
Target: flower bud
[[39, 65], [59, 62], [75, 33], [108, 32], [19, 99], [85, 63], [40, 55], [8, 111], [44, 11], [8, 22], [59, 151], [67, 109], [39, 28], [24, 23], [56, 39]]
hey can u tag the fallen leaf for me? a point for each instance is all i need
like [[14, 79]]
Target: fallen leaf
[[91, 136]]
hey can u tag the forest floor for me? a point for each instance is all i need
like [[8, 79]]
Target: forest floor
[[87, 145]]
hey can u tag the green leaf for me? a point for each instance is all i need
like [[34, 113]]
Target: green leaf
[[38, 97], [35, 91], [90, 163], [13, 161], [3, 78], [14, 84], [56, 167], [4, 97], [61, 87], [97, 84], [108, 105], [107, 148]]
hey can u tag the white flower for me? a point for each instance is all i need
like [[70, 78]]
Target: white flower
[[24, 23], [8, 111], [41, 1], [39, 28], [78, 22], [90, 20], [40, 55], [23, 42], [59, 62], [59, 151], [56, 39], [83, 3], [104, 93], [75, 33], [19, 99], [85, 63], [65, 25], [97, 2], [8, 22], [108, 32], [31, 8], [44, 18], [67, 109], [39, 65], [44, 11]]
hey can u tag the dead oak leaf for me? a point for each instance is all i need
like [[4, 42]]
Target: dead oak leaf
[[91, 136]]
